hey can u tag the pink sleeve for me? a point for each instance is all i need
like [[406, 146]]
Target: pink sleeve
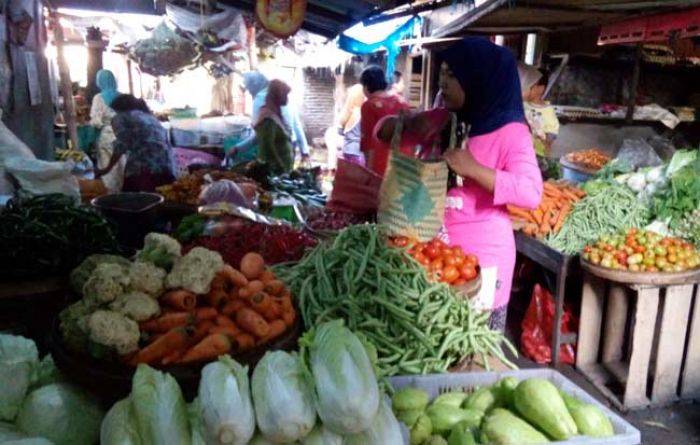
[[519, 182]]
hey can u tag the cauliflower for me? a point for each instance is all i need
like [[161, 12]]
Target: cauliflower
[[80, 274], [113, 330], [160, 250], [73, 325], [136, 305], [106, 283], [147, 278], [195, 270]]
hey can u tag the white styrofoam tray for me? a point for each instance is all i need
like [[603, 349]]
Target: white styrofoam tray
[[435, 384]]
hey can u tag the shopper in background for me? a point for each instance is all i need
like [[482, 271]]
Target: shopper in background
[[257, 85], [273, 131], [101, 114], [143, 143], [349, 125], [540, 115], [380, 103], [398, 87]]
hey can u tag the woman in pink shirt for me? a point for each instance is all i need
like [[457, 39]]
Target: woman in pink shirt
[[497, 165]]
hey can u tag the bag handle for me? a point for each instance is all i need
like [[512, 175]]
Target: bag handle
[[398, 130]]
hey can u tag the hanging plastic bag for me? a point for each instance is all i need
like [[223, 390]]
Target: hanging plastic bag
[[537, 326]]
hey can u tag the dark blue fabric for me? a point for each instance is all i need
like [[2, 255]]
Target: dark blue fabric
[[488, 74]]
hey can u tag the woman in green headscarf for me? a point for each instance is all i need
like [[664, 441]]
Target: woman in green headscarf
[[101, 114]]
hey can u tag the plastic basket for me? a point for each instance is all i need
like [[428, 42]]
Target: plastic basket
[[625, 434], [185, 157]]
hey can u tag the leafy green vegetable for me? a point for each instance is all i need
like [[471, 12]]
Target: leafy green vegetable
[[119, 425], [62, 413], [191, 227], [384, 430], [689, 227], [680, 159], [18, 360], [681, 197]]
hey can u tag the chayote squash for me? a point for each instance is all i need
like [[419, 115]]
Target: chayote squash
[[444, 417], [409, 417], [461, 435], [505, 388], [409, 399], [421, 430], [501, 427], [483, 399], [453, 398], [590, 420], [540, 403], [436, 440]]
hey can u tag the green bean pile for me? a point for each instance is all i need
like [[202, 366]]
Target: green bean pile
[[608, 210], [417, 326]]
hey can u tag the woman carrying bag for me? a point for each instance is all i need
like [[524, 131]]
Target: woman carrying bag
[[479, 81]]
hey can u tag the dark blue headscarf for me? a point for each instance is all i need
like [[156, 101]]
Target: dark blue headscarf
[[488, 74]]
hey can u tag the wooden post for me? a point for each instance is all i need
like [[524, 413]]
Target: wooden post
[[130, 75], [615, 322], [642, 339], [634, 86], [96, 47], [65, 82]]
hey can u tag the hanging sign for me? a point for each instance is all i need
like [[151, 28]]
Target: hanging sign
[[282, 18]]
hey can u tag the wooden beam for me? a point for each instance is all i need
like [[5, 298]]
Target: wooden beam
[[634, 85], [65, 82]]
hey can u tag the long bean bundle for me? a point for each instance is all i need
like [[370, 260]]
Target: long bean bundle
[[383, 294], [608, 210]]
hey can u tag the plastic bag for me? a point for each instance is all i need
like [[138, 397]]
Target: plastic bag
[[347, 396], [637, 153], [18, 359], [42, 178], [227, 410], [119, 425], [223, 190], [536, 338], [283, 397], [385, 429], [10, 146], [62, 413], [159, 408], [164, 53]]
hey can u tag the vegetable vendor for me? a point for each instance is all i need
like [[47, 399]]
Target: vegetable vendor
[[143, 141], [479, 81], [101, 114], [257, 85]]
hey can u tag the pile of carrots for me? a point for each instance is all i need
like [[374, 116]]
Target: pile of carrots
[[245, 308], [557, 202]]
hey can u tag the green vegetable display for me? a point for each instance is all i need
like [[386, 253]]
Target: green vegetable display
[[50, 235], [681, 197], [609, 210], [417, 326], [461, 435], [452, 398], [539, 402], [589, 419], [445, 417], [689, 227], [409, 399], [502, 427]]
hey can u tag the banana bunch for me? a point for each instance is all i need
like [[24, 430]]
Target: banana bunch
[[70, 155]]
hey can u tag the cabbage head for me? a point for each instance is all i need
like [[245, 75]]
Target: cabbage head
[[18, 359], [385, 429], [10, 435], [119, 425], [159, 408], [227, 410], [322, 436], [62, 413], [283, 397], [347, 396]]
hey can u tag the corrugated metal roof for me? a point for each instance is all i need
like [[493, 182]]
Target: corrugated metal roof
[[503, 16]]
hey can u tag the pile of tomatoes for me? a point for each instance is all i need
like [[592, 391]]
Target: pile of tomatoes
[[643, 251], [446, 264]]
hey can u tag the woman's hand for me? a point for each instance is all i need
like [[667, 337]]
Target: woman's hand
[[465, 165], [461, 162]]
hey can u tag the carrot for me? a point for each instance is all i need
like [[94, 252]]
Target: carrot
[[274, 287], [234, 276], [538, 215], [166, 322], [521, 213], [561, 218], [252, 322], [267, 276], [205, 313], [173, 357], [264, 305], [180, 299], [216, 296], [277, 328], [232, 307], [223, 320], [289, 316], [230, 331], [530, 229], [202, 330], [570, 195], [219, 281], [244, 341], [172, 340], [251, 289], [209, 348]]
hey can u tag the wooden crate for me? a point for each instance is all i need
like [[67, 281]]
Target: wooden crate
[[639, 344]]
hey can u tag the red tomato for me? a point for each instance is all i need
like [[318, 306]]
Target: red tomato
[[468, 272], [450, 260], [422, 259], [459, 282], [450, 274], [436, 265], [639, 249], [432, 252], [401, 241]]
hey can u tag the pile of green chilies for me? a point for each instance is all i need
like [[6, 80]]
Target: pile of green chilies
[[417, 326], [607, 211]]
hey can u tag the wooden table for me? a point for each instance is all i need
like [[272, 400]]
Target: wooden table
[[560, 264]]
